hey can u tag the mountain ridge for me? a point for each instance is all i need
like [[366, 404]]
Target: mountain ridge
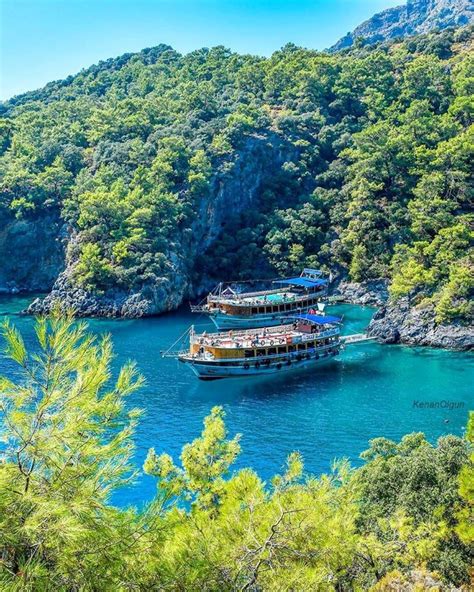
[[414, 17]]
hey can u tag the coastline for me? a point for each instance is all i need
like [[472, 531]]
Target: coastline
[[392, 323]]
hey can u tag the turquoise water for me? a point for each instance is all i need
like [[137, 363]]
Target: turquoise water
[[275, 298], [327, 413]]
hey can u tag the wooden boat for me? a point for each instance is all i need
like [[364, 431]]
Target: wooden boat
[[231, 310], [303, 340]]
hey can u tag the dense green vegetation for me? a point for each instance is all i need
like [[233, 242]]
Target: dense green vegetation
[[404, 519], [366, 161]]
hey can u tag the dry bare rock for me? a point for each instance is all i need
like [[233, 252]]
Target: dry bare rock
[[416, 16], [368, 293]]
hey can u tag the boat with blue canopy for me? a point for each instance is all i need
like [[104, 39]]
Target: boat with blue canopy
[[231, 308], [300, 341]]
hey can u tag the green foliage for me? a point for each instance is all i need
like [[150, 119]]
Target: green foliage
[[205, 462], [465, 527], [67, 445], [359, 162], [416, 484], [92, 269]]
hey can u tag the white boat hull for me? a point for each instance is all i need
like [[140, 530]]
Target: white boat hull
[[207, 370]]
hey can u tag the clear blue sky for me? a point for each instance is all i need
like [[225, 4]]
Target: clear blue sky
[[43, 40]]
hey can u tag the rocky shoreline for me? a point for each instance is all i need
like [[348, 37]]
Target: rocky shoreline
[[402, 322], [369, 293], [392, 323], [411, 325], [164, 296]]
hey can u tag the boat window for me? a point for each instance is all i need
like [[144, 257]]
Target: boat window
[[261, 309], [254, 310], [271, 351], [310, 344], [282, 350], [291, 348], [301, 346], [249, 353], [268, 309]]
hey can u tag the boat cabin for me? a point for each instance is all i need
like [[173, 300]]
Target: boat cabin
[[302, 333], [292, 295]]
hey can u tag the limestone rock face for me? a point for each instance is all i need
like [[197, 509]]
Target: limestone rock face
[[402, 323], [150, 300], [416, 16]]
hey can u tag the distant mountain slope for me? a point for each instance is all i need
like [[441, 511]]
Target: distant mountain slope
[[416, 16]]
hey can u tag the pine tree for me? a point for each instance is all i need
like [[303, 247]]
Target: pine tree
[[66, 447]]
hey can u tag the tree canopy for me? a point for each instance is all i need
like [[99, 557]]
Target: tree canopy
[[359, 162]]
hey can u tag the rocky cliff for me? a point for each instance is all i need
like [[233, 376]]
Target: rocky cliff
[[368, 293], [236, 187], [400, 322], [416, 16]]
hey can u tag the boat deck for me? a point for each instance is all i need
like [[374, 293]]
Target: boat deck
[[261, 337], [263, 299]]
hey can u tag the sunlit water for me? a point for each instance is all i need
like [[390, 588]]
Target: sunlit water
[[326, 413]]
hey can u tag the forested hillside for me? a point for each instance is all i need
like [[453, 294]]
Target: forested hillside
[[148, 177]]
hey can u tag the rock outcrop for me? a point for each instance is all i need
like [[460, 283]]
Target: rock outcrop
[[368, 293], [416, 16], [150, 300], [401, 323]]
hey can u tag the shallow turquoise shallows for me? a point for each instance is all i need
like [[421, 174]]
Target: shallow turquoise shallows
[[325, 413]]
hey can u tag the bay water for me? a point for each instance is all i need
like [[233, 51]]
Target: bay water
[[326, 413]]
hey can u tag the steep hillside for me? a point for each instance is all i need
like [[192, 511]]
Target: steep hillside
[[416, 16], [145, 179]]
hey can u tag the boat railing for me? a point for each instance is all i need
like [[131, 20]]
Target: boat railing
[[291, 355], [241, 298], [237, 338], [243, 295], [248, 332]]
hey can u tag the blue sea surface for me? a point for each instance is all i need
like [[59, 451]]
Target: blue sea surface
[[326, 413]]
